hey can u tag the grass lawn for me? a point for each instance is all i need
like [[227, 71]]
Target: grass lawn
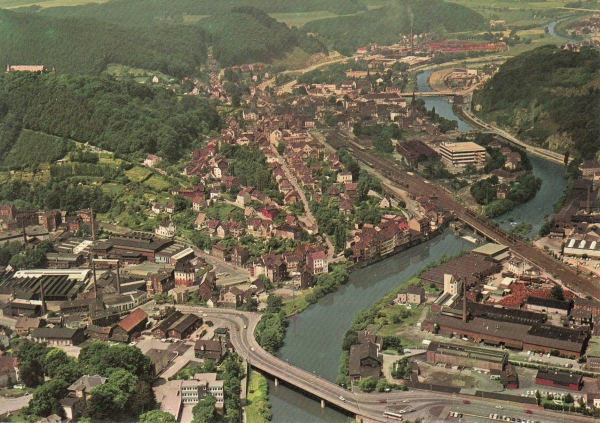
[[157, 183], [138, 173], [255, 394], [296, 305], [19, 416]]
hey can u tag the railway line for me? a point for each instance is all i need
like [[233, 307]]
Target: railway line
[[415, 185]]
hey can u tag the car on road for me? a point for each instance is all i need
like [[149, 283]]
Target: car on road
[[528, 412], [382, 400], [342, 398], [499, 407], [237, 328], [204, 314], [466, 402]]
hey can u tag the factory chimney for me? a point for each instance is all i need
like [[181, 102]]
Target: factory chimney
[[42, 298], [118, 278], [24, 234], [412, 41], [589, 194], [93, 224], [464, 313], [95, 285]]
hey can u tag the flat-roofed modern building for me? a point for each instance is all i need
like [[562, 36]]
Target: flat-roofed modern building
[[461, 154]]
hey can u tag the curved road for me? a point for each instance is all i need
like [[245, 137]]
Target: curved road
[[361, 404]]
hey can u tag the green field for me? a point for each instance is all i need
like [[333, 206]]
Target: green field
[[7, 4], [299, 19], [138, 173]]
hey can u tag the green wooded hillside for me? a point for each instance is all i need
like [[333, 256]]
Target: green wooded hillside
[[35, 148], [122, 116], [545, 92], [382, 25], [247, 34], [152, 12], [87, 46]]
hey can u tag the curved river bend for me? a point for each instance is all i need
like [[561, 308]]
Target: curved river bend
[[314, 337]]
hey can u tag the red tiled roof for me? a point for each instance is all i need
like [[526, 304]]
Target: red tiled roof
[[134, 319]]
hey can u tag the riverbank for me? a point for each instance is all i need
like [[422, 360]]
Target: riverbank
[[324, 285], [389, 320], [258, 408]]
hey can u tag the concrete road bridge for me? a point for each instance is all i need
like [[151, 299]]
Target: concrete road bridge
[[241, 327]]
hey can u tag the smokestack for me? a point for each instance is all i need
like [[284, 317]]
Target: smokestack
[[95, 285], [24, 234], [118, 278], [589, 208], [464, 314], [412, 43], [42, 298], [93, 224]]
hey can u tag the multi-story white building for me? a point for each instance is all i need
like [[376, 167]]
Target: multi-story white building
[[203, 384], [461, 154]]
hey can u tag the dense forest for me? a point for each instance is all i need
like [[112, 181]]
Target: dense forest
[[382, 25], [87, 46], [155, 12], [121, 116], [247, 34], [545, 92]]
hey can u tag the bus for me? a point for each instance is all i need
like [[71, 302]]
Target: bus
[[393, 415]]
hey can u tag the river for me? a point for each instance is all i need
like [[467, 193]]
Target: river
[[314, 337], [553, 33], [442, 107]]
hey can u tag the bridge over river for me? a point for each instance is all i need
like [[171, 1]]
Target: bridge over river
[[369, 406]]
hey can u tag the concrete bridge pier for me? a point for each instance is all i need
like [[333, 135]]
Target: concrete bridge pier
[[276, 382], [322, 403]]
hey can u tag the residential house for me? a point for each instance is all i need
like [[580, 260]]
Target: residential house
[[198, 203], [271, 266], [412, 294], [317, 262], [160, 282], [184, 274], [157, 208], [231, 297], [208, 350], [244, 196], [200, 222], [239, 255], [288, 232], [306, 278], [364, 361], [152, 160], [180, 294], [8, 372], [166, 228], [344, 177], [220, 252], [79, 393]]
